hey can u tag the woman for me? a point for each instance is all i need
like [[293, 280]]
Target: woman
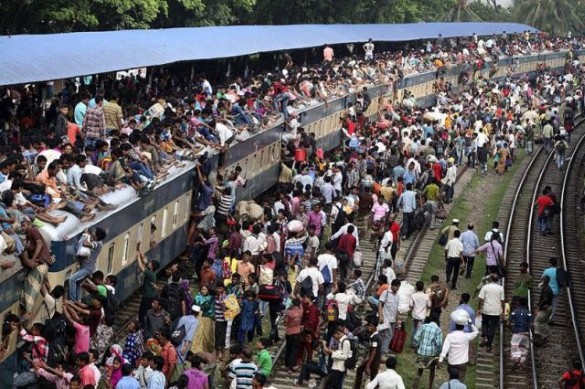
[[204, 339], [494, 254], [503, 154], [134, 345]]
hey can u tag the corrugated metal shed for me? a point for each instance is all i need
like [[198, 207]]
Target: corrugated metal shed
[[32, 58]]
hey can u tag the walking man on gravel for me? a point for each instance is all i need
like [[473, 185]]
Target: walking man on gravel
[[454, 259], [470, 242], [491, 309], [429, 341]]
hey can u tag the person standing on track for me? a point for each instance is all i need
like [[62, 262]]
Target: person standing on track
[[491, 309], [551, 273], [470, 242], [454, 259], [407, 202]]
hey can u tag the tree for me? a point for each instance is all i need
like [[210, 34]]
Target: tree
[[554, 16], [461, 12]]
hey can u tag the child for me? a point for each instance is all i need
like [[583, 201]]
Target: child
[[264, 360], [247, 317]]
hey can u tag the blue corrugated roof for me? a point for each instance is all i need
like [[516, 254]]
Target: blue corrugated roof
[[32, 58]]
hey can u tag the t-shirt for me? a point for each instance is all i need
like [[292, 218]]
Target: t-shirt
[[375, 342], [420, 302], [265, 362], [244, 374], [492, 295], [81, 338], [551, 272], [316, 277], [328, 260], [148, 289]]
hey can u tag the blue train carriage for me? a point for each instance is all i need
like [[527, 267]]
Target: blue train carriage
[[167, 206]]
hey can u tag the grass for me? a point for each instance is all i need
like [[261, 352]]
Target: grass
[[436, 263]]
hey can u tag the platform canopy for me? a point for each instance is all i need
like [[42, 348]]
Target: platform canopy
[[35, 58]]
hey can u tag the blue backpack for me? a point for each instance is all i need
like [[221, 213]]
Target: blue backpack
[[326, 272]]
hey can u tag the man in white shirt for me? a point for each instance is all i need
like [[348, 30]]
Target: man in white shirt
[[491, 309], [454, 258], [419, 303], [388, 379], [339, 356], [344, 300], [456, 346], [316, 277], [343, 230], [327, 263]]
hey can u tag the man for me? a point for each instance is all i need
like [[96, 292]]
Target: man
[[369, 50], [419, 303], [439, 293], [429, 341], [328, 267], [339, 356], [407, 201], [449, 180], [454, 258], [127, 381], [456, 345], [522, 283], [547, 134], [387, 314], [94, 123], [551, 273], [245, 370], [395, 230], [155, 318], [88, 264], [157, 379], [190, 322], [371, 364], [113, 113], [491, 309], [388, 379], [545, 205], [454, 382], [80, 110], [315, 275], [346, 247], [197, 378], [470, 242], [85, 371], [543, 312], [520, 321], [464, 305], [450, 230], [168, 353]]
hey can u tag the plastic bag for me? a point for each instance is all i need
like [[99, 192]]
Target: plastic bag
[[478, 323]]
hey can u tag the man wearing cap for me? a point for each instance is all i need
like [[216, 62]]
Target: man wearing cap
[[453, 258], [456, 345], [190, 323], [449, 180], [450, 230]]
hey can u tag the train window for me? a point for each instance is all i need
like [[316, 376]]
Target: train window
[[187, 207], [175, 214], [164, 222], [111, 251], [126, 248]]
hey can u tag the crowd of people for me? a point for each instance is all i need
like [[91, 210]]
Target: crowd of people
[[293, 261]]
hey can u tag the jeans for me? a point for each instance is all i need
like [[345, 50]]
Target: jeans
[[547, 144], [291, 350], [142, 169], [311, 367], [449, 191], [483, 166], [469, 265], [386, 337], [554, 306], [280, 103], [335, 379], [452, 271], [471, 160], [74, 281], [560, 158], [407, 221], [543, 223], [489, 325], [25, 380], [416, 324]]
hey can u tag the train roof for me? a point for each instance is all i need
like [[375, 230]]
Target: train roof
[[34, 58], [122, 198]]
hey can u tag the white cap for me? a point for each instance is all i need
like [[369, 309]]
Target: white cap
[[196, 308]]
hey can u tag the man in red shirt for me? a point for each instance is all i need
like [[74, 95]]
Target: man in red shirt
[[85, 370], [281, 98], [310, 322], [544, 204], [395, 230], [345, 250]]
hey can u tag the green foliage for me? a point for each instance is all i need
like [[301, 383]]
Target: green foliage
[[554, 16]]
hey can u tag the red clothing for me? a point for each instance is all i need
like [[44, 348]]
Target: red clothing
[[437, 171], [347, 244], [87, 376], [311, 318], [395, 230], [293, 320], [577, 376], [542, 202], [279, 88]]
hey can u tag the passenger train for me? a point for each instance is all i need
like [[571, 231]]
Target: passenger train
[[167, 206]]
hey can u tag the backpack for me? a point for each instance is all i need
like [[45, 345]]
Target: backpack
[[173, 301], [331, 311], [307, 286], [351, 361], [563, 278], [111, 307], [326, 272], [178, 335], [55, 334], [444, 238], [561, 147]]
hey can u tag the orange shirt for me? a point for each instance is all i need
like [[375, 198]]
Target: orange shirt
[[50, 182], [87, 376], [169, 355], [381, 289]]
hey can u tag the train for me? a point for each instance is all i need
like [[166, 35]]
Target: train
[[168, 205]]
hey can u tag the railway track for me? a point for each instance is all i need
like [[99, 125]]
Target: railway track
[[523, 242]]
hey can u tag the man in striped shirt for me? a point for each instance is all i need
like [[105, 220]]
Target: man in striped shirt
[[94, 123], [245, 370]]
